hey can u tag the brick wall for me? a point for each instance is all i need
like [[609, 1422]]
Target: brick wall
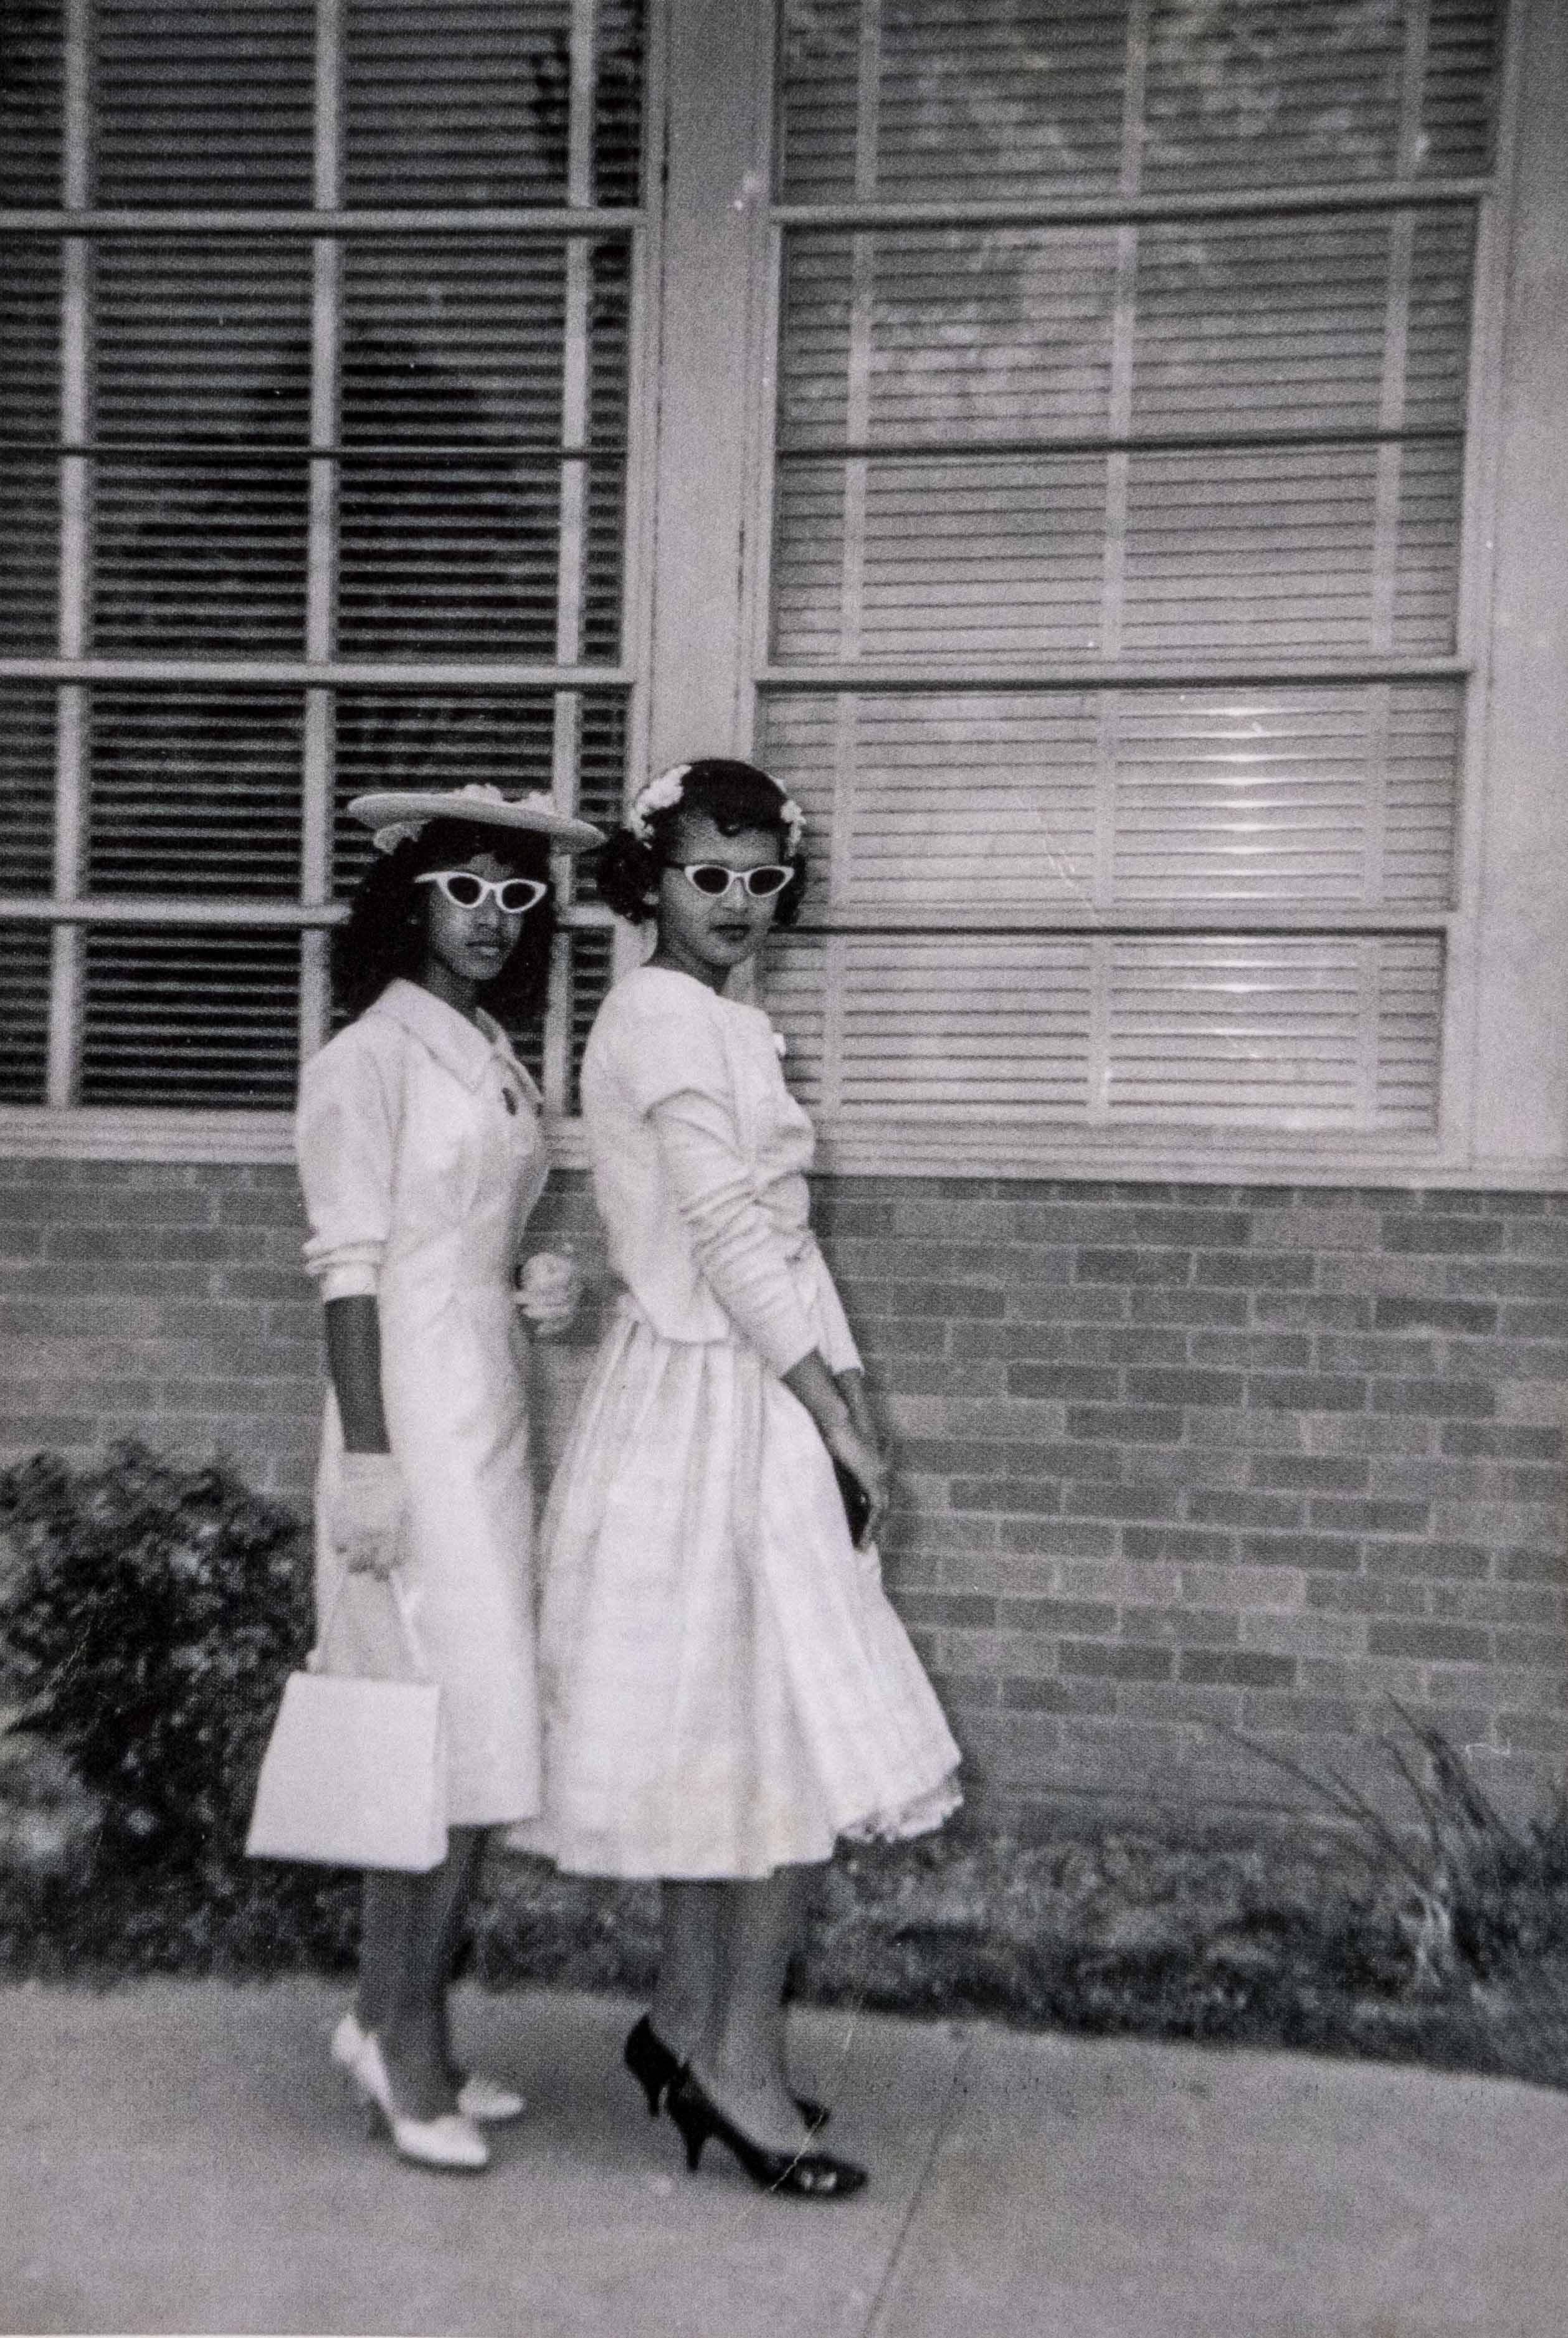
[[1174, 1462], [168, 1303]]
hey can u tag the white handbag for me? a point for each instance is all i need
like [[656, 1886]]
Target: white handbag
[[355, 1771]]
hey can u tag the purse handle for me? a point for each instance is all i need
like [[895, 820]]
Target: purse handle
[[401, 1608]]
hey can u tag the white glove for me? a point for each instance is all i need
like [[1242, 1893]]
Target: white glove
[[365, 1517], [548, 1291]]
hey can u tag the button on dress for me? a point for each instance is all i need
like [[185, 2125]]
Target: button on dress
[[727, 1688], [421, 1154]]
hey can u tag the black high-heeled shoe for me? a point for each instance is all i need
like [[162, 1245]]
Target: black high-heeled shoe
[[656, 2069], [801, 2175]]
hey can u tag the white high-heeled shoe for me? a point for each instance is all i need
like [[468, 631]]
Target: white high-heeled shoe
[[484, 2100], [449, 2141]]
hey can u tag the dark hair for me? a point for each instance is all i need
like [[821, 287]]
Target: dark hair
[[734, 795], [384, 935]]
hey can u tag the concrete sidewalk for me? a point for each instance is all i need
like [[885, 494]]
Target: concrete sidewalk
[[180, 2156]]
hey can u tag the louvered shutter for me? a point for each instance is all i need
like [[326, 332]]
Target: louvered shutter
[[396, 452], [1115, 557]]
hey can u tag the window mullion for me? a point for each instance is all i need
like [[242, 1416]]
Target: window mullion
[[1391, 418], [835, 993], [862, 298], [575, 370], [321, 541], [1369, 972], [1101, 973], [1411, 86], [1135, 86], [867, 99], [1117, 462], [841, 827], [1375, 839], [572, 559], [857, 419], [1107, 767], [75, 545], [1119, 418]]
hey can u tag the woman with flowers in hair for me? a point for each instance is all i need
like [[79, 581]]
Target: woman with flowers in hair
[[726, 1688]]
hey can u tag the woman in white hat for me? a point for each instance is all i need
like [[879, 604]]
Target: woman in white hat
[[421, 1155]]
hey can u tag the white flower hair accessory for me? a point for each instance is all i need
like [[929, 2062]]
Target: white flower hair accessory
[[794, 820], [660, 795], [665, 792]]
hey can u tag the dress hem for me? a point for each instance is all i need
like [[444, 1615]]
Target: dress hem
[[925, 1815]]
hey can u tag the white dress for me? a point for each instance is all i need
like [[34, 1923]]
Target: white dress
[[421, 1157], [726, 1687]]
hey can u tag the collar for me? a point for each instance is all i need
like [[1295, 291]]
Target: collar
[[465, 1049]]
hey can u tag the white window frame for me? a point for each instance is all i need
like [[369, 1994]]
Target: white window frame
[[700, 494], [59, 1128], [1503, 1118]]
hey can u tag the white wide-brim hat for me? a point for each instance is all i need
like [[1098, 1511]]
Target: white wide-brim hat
[[396, 814]]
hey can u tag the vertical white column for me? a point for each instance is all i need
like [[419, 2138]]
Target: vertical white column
[[75, 553], [321, 540], [1521, 1098], [710, 430]]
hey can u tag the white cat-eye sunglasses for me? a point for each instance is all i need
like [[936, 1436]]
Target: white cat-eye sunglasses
[[513, 896], [713, 878]]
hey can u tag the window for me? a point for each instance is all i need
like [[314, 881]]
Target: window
[[1116, 636], [1103, 454], [317, 394]]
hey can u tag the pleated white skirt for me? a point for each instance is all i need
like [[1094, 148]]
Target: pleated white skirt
[[725, 1687]]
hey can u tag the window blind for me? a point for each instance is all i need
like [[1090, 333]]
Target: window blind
[[24, 1013], [316, 478], [994, 800], [202, 102], [1024, 99], [29, 409], [31, 110], [195, 791], [1116, 546], [199, 489], [187, 1020]]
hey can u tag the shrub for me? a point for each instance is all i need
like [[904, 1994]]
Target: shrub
[[147, 1620]]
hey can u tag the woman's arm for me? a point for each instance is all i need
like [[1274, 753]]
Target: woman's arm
[[682, 1083], [346, 1143], [367, 1509], [742, 1257], [353, 1360], [746, 1267], [851, 1385], [843, 1420]]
